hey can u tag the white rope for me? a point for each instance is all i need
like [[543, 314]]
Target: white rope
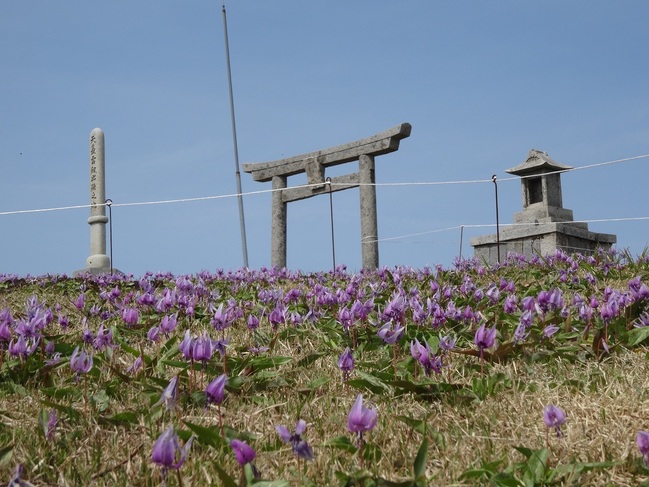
[[252, 193], [484, 225]]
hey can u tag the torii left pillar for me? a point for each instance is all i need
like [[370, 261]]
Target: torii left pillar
[[98, 262]]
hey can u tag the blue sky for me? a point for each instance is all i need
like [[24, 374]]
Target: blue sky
[[481, 83]]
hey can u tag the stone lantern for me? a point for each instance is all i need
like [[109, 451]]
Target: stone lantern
[[544, 225]]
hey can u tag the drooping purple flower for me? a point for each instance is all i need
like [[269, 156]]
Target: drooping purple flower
[[5, 334], [51, 425], [511, 304], [299, 445], [167, 301], [493, 293], [550, 330], [520, 333], [104, 338], [345, 318], [23, 347], [554, 417], [220, 320], [215, 390], [422, 354], [87, 336], [168, 323], [130, 316], [6, 318], [242, 451], [361, 418], [527, 303], [642, 440], [186, 346], [389, 334], [203, 348], [80, 302], [169, 395], [277, 316], [485, 338], [136, 366], [447, 342], [167, 452], [153, 334], [253, 322], [346, 363], [80, 362], [16, 480]]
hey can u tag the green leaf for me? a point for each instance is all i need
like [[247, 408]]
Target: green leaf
[[120, 419], [261, 363], [370, 382], [207, 436], [341, 442], [101, 400], [309, 359], [638, 335], [372, 453], [226, 480], [6, 453], [536, 467], [419, 467]]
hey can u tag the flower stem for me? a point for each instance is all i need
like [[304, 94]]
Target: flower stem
[[221, 422]]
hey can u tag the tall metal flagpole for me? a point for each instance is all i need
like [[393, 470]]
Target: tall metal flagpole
[[244, 245]]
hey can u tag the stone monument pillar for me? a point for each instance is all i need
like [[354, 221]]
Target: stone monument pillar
[[98, 262]]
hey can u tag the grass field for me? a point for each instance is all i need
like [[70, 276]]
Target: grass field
[[95, 370]]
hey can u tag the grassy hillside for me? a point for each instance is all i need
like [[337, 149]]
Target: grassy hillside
[[111, 380]]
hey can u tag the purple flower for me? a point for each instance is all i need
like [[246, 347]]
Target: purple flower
[[447, 342], [169, 395], [277, 316], [137, 365], [243, 451], [485, 338], [642, 440], [51, 425], [423, 355], [87, 336], [103, 339], [360, 418], [346, 362], [167, 451], [520, 333], [345, 318], [153, 334], [80, 362], [554, 417], [80, 302], [203, 348], [510, 305], [130, 316], [16, 480], [550, 330], [300, 447], [215, 390], [5, 333], [389, 335], [186, 347], [253, 322], [220, 320], [168, 323]]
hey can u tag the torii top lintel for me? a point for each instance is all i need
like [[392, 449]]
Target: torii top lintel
[[381, 143]]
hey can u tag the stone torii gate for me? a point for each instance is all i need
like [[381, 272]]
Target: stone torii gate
[[314, 164]]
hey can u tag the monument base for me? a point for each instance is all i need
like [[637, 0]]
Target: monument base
[[541, 239]]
